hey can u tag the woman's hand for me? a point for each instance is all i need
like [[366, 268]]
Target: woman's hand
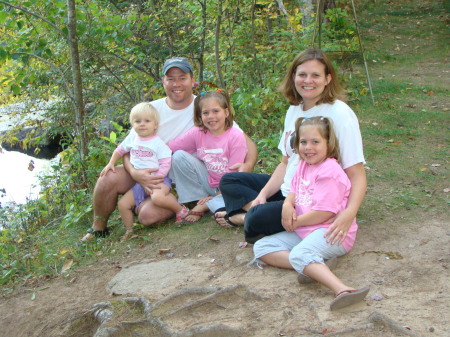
[[288, 216], [258, 201], [339, 227]]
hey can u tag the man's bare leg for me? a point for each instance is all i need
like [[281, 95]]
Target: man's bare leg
[[149, 213], [105, 196]]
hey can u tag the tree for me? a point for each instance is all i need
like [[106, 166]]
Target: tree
[[74, 88]]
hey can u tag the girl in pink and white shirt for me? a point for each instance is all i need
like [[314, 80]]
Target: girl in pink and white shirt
[[216, 143], [146, 150], [319, 190]]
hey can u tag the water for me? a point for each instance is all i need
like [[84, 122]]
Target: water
[[17, 183]]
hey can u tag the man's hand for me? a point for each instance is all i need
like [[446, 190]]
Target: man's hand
[[145, 178]]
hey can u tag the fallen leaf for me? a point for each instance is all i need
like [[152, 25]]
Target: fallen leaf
[[423, 169], [390, 141], [242, 244], [375, 123], [164, 251], [63, 252], [446, 190], [213, 239], [66, 266]]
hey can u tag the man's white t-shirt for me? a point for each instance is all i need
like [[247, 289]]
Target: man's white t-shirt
[[173, 123], [346, 128]]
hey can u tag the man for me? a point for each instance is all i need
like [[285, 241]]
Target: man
[[176, 117]]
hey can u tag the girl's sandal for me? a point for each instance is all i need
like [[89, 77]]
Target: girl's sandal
[[349, 297], [194, 213], [180, 215]]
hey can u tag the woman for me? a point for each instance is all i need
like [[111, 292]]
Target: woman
[[255, 200]]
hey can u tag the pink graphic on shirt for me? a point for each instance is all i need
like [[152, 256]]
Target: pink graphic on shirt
[[142, 153], [214, 162], [303, 196]]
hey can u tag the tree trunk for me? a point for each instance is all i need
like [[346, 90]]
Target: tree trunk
[[76, 76], [202, 42], [216, 48]]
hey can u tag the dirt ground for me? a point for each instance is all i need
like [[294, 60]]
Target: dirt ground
[[406, 263]]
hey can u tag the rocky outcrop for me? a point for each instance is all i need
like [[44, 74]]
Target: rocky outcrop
[[11, 118]]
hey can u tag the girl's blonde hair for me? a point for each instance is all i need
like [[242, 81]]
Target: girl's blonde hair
[[325, 127], [222, 97], [146, 109], [332, 91]]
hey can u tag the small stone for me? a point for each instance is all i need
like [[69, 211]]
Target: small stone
[[377, 297], [431, 329]]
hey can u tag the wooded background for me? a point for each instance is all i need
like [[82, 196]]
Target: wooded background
[[108, 55]]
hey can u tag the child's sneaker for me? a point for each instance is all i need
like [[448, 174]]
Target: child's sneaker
[[180, 215]]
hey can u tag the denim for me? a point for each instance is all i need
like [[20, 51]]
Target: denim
[[240, 188], [312, 249]]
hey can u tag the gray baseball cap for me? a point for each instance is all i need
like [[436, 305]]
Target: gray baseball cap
[[177, 62]]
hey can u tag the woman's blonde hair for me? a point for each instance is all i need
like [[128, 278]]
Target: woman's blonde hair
[[325, 127], [332, 91], [146, 109]]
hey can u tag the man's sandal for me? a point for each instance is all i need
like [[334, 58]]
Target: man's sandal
[[349, 297], [91, 234]]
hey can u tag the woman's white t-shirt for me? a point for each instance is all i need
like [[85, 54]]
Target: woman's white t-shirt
[[346, 128]]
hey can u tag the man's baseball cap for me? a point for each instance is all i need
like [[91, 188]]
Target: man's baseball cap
[[177, 62]]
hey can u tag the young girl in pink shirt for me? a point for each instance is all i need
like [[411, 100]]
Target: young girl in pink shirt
[[216, 143], [319, 190]]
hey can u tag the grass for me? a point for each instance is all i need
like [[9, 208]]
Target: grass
[[405, 138]]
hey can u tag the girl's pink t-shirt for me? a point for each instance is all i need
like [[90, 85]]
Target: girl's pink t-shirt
[[322, 187], [217, 152]]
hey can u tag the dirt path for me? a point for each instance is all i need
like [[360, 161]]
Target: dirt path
[[407, 271], [405, 263]]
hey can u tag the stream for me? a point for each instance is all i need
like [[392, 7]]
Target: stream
[[18, 176]]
